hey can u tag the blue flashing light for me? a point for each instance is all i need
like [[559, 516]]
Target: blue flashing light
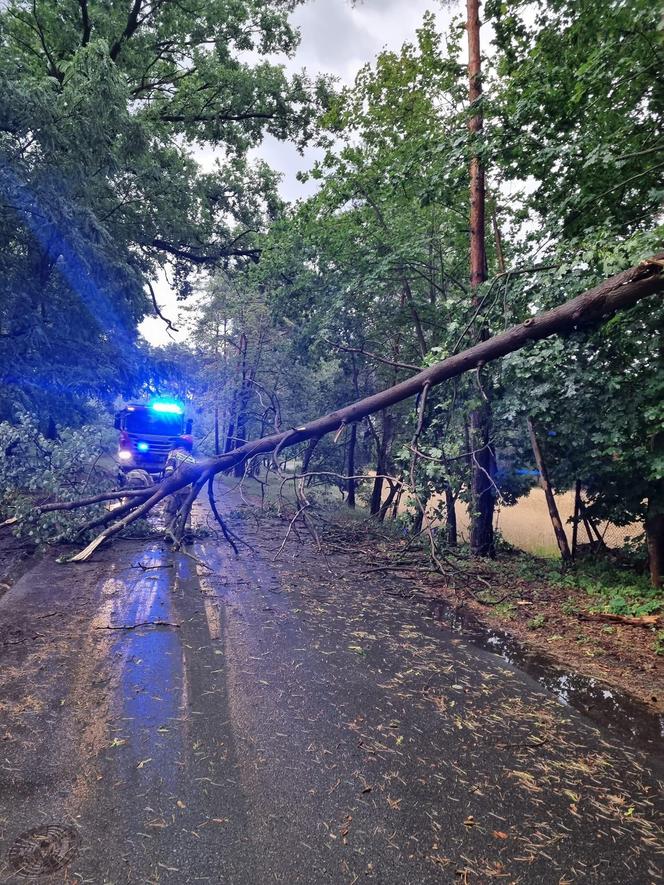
[[142, 447], [168, 407]]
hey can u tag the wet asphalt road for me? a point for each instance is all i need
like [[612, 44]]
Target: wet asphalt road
[[292, 722]]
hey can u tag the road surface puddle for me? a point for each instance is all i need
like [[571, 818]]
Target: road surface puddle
[[607, 707]]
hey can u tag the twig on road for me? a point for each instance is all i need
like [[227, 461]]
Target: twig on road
[[531, 744], [290, 528], [229, 535], [196, 560], [134, 626]]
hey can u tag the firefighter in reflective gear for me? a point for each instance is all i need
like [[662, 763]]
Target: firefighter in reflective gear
[[178, 457]]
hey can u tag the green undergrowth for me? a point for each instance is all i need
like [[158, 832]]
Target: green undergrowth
[[602, 586], [659, 642], [36, 469], [614, 584]]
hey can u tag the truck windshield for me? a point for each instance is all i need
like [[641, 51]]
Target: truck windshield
[[147, 421]]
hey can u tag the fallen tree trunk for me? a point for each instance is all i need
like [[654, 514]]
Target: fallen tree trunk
[[618, 292], [643, 621]]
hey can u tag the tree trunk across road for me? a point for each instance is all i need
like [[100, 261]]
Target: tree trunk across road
[[619, 292]]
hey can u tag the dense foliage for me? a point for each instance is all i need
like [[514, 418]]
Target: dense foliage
[[34, 468], [373, 268], [103, 106]]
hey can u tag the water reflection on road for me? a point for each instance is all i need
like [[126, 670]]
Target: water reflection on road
[[152, 690], [607, 707]]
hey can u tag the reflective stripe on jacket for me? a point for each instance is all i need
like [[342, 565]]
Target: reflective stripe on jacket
[[176, 458]]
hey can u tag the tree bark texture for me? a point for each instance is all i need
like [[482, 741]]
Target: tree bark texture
[[577, 517], [450, 518], [382, 448], [350, 500], [655, 540], [483, 487], [654, 523], [476, 124], [217, 449]]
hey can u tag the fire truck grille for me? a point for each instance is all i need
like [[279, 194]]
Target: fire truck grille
[[158, 448]]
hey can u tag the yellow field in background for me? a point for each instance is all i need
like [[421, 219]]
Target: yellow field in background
[[527, 525]]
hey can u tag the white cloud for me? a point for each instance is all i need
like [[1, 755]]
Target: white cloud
[[337, 38]]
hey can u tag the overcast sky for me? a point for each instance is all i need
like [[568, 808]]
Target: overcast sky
[[336, 38]]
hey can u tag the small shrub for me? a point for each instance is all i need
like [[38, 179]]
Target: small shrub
[[505, 610], [537, 622], [36, 470], [615, 589], [526, 571]]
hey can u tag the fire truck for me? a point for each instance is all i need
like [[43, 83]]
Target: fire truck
[[148, 432]]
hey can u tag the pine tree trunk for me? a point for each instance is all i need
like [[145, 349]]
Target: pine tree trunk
[[655, 520], [450, 518], [377, 490], [475, 125], [389, 501], [383, 445], [481, 532], [577, 517], [482, 487], [655, 539], [419, 521], [240, 436]]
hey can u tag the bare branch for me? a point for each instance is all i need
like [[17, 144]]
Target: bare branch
[[373, 356], [213, 506], [54, 69], [130, 27], [211, 257], [169, 325], [418, 430], [214, 118]]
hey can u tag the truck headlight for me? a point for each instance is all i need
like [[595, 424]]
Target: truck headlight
[[124, 455]]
